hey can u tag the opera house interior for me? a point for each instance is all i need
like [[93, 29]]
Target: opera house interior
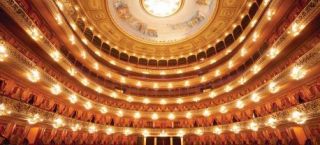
[[159, 72]]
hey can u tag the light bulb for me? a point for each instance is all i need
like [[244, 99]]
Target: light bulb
[[56, 89], [33, 75]]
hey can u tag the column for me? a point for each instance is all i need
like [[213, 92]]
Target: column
[[181, 140], [144, 140], [171, 141], [155, 141]]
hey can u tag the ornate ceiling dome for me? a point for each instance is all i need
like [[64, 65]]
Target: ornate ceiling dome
[[153, 28], [161, 21]]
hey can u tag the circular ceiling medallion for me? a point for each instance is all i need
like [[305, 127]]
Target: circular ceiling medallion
[[161, 8]]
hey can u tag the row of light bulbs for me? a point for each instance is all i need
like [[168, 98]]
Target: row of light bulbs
[[297, 73], [255, 69], [273, 52], [34, 76], [296, 116]]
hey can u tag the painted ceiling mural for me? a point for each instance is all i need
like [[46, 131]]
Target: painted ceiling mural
[[134, 26], [159, 21]]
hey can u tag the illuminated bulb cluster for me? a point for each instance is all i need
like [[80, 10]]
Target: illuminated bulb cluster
[[196, 99], [179, 101], [296, 29], [212, 94], [56, 89], [139, 84], [186, 83], [199, 132], [297, 117], [163, 73], [84, 55], [60, 5], [99, 89], [181, 133], [235, 128], [255, 36], [35, 34], [145, 133], [127, 132], [155, 86], [103, 110], [92, 129], [163, 102], [137, 115], [271, 122], [270, 13], [298, 72], [72, 39], [72, 71], [130, 99], [123, 80], [87, 105], [34, 119], [99, 54], [3, 110], [170, 86], [243, 52], [33, 75], [85, 82], [240, 104], [255, 97], [3, 52], [154, 116], [253, 126], [75, 127], [203, 79], [255, 69], [109, 75], [206, 113], [74, 26], [58, 19], [223, 109], [189, 115], [114, 95], [57, 123], [217, 130], [171, 116], [96, 66], [230, 64], [146, 101], [228, 88], [73, 99], [163, 133], [273, 87], [109, 131], [120, 113], [217, 73], [273, 52], [242, 80]]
